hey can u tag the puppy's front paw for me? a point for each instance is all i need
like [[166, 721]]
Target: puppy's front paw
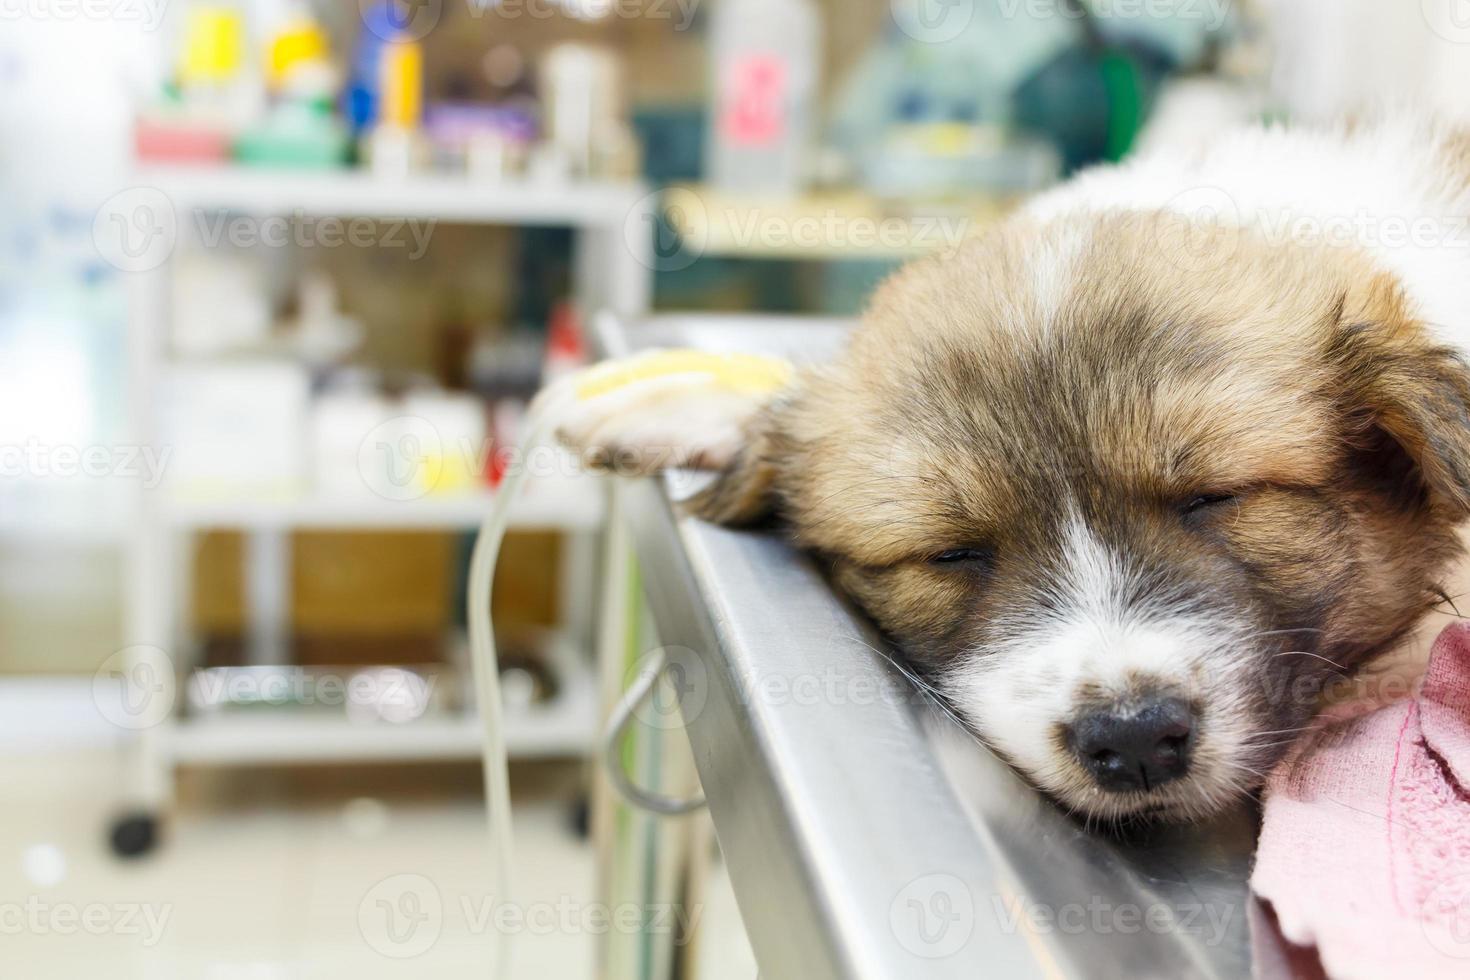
[[663, 409]]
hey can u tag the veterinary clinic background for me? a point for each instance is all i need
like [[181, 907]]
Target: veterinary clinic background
[[279, 281]]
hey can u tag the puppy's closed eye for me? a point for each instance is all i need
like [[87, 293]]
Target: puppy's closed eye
[[1200, 504], [970, 558]]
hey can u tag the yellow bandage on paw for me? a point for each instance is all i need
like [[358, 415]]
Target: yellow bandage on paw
[[746, 374]]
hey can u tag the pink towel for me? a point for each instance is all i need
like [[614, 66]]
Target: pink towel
[[1365, 841]]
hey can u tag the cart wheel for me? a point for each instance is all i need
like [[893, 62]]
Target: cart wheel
[[580, 818], [133, 835]]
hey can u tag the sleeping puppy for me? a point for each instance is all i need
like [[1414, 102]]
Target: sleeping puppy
[[1140, 474]]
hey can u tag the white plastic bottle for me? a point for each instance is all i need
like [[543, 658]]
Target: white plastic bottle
[[765, 60]]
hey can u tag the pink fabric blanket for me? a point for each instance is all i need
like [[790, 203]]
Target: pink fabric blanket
[[1365, 841]]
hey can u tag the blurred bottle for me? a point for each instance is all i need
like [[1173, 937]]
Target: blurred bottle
[[566, 349], [215, 92], [394, 147], [212, 71], [300, 128], [586, 134], [765, 62]]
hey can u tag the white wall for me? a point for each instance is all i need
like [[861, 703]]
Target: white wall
[[1335, 57]]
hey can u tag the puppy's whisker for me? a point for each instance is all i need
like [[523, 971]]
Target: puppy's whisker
[[1444, 597], [1256, 746], [1288, 740], [906, 670], [933, 695], [1282, 738], [1308, 653], [1299, 629], [1280, 731], [1231, 764]]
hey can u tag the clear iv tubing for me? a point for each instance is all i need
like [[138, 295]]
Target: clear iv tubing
[[483, 660], [485, 667]]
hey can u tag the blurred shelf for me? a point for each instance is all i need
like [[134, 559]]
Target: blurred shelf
[[64, 517], [822, 227], [566, 726], [357, 193], [50, 710], [565, 503]]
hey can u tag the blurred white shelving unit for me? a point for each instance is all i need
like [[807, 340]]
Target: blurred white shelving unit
[[611, 270], [438, 197], [564, 726], [551, 505]]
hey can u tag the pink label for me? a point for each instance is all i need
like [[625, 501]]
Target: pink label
[[754, 111]]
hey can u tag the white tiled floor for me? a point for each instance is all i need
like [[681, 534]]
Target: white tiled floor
[[304, 874]]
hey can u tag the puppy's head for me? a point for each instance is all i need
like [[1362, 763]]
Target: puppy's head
[[1130, 518]]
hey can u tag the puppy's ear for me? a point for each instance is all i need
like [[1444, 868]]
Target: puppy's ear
[[747, 490], [1417, 393]]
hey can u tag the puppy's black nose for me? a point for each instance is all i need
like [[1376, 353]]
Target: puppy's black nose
[[1140, 748]]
